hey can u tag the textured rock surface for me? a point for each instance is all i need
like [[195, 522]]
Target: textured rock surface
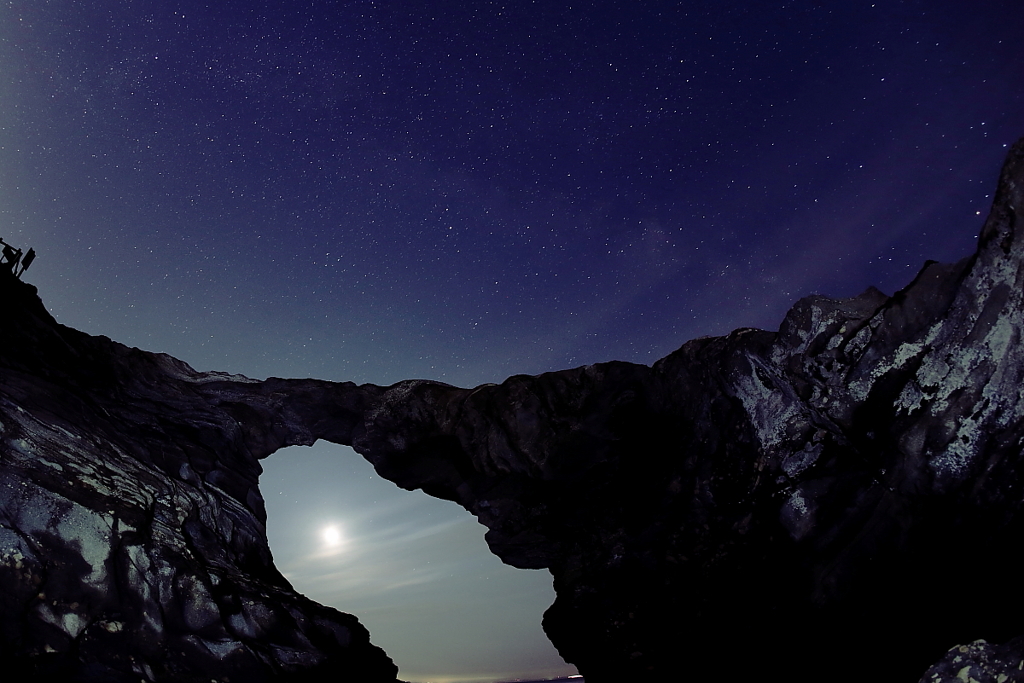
[[980, 662], [839, 500], [132, 537]]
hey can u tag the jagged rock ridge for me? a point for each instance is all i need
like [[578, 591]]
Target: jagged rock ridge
[[837, 500]]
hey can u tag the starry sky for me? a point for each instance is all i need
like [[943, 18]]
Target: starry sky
[[461, 191]]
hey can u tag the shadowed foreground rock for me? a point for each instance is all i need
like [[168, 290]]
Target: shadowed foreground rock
[[132, 536], [839, 500]]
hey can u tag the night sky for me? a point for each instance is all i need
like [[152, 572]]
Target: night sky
[[461, 191]]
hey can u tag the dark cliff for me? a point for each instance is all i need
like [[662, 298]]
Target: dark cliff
[[132, 536], [838, 500]]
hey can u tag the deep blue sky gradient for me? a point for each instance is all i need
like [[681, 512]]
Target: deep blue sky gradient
[[461, 191]]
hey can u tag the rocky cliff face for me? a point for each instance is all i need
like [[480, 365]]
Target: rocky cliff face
[[132, 537], [839, 500]]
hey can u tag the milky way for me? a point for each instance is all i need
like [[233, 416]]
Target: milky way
[[374, 191]]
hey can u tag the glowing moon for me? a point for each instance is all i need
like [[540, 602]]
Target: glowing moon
[[332, 536]]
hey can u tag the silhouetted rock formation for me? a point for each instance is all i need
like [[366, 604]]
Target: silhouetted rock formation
[[132, 537], [839, 500]]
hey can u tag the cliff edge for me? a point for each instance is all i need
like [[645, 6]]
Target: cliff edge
[[837, 500]]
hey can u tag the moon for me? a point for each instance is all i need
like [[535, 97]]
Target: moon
[[332, 536]]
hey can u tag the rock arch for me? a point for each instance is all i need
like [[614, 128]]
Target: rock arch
[[750, 493]]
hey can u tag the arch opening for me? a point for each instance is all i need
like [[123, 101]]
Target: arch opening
[[414, 569]]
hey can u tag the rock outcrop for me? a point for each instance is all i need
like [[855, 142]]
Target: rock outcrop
[[132, 531], [838, 500]]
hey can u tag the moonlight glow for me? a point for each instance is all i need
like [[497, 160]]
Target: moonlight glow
[[332, 536], [576, 184]]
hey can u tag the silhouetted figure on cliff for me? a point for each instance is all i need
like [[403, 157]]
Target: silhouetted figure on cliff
[[27, 261], [10, 259]]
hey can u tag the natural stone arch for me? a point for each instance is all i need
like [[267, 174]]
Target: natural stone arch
[[745, 493], [429, 552]]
